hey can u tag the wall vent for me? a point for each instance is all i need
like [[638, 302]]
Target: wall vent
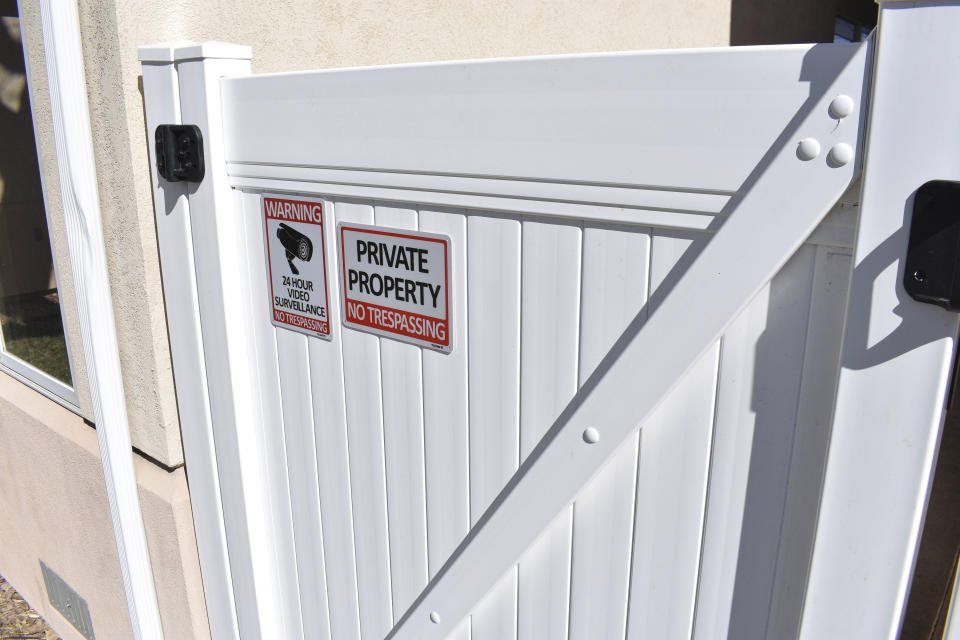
[[68, 602]]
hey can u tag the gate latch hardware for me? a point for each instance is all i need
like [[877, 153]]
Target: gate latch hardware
[[179, 152], [932, 268]]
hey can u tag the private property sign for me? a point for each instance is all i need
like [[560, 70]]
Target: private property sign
[[297, 264], [395, 284]]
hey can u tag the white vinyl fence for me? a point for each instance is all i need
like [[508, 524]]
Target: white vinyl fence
[[660, 413]]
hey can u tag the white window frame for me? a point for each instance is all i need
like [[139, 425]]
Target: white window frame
[[39, 380]]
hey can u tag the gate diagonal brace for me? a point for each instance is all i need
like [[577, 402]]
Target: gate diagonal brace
[[785, 198]]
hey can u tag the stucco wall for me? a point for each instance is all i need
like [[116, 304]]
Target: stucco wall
[[53, 507], [130, 240], [301, 34]]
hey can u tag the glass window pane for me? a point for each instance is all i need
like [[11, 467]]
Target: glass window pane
[[30, 319]]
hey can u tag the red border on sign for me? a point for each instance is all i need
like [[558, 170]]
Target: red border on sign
[[446, 282], [323, 251]]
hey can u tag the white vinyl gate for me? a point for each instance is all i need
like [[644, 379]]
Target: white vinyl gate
[[665, 315]]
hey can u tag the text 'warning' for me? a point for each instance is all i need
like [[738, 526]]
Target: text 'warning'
[[297, 264]]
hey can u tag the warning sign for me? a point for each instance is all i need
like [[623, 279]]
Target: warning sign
[[297, 264], [395, 284]]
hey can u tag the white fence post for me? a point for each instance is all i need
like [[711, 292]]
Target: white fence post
[[162, 106], [886, 425], [211, 238]]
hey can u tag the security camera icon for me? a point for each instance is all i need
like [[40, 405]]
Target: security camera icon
[[296, 245]]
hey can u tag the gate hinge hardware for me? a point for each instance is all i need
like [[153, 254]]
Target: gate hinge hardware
[[931, 271], [179, 152]]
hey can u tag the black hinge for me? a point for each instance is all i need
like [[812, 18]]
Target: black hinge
[[932, 267], [179, 152]]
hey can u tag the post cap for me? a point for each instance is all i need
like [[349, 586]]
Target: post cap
[[187, 50]]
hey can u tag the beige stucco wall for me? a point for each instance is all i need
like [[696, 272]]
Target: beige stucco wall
[[304, 34], [53, 507], [130, 240]]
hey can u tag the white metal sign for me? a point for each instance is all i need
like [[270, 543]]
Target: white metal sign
[[296, 264], [395, 284]]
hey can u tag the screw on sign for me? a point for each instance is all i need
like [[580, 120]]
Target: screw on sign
[[296, 258]]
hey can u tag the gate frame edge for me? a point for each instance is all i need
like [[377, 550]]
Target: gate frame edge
[[867, 539]]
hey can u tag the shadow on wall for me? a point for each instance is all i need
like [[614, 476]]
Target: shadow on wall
[[755, 22]]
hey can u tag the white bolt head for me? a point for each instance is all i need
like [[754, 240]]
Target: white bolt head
[[591, 435], [808, 149], [434, 617], [841, 107], [840, 154]]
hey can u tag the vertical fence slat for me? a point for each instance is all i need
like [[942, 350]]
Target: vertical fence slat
[[774, 398], [361, 374], [816, 396], [550, 322], [730, 462], [333, 457], [493, 255], [445, 411], [494, 288], [671, 487], [264, 431], [615, 278], [401, 374], [298, 434], [671, 483]]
